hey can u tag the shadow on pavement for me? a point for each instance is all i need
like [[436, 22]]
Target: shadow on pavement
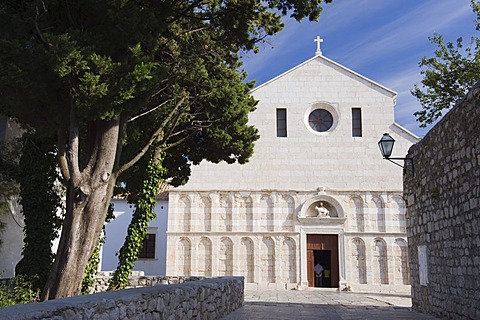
[[256, 310]]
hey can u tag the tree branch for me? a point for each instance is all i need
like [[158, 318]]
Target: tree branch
[[121, 135], [37, 28], [87, 171], [154, 138], [73, 142], [183, 12], [176, 143], [174, 125], [62, 159], [148, 111]]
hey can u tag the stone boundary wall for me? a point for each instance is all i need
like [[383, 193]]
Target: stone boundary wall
[[138, 279], [204, 299], [443, 214]]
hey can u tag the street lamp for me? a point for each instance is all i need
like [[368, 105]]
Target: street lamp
[[386, 147]]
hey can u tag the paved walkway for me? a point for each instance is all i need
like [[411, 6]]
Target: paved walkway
[[325, 304]]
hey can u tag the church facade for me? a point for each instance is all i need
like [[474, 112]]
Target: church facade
[[316, 191]]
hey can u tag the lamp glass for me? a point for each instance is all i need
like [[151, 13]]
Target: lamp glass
[[386, 145]]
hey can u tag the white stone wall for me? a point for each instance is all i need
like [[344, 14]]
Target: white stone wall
[[261, 213], [12, 235], [12, 239], [116, 231], [306, 159], [267, 249]]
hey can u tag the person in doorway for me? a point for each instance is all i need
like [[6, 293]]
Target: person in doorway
[[318, 274]]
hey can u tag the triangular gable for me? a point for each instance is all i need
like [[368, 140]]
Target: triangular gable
[[387, 91], [398, 128]]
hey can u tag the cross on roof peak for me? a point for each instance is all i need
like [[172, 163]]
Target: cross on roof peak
[[318, 40]]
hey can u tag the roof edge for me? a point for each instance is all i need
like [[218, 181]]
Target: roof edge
[[406, 131], [283, 74], [393, 93]]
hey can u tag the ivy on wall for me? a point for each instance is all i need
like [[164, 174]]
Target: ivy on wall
[[137, 230], [94, 261], [92, 267], [40, 197]]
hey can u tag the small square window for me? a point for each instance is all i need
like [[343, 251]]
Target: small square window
[[281, 122], [148, 249], [356, 122]]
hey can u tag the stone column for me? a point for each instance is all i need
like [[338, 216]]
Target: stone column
[[302, 253], [390, 260], [370, 213], [274, 227], [215, 255], [258, 276], [369, 259], [279, 278], [193, 211], [173, 212], [237, 242], [256, 208], [194, 240], [215, 212], [342, 260]]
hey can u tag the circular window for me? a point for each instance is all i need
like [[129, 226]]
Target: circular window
[[320, 120]]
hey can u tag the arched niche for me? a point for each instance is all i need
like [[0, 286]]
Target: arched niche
[[331, 204]]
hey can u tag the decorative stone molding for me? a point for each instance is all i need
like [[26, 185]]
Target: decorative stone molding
[[334, 207], [322, 221]]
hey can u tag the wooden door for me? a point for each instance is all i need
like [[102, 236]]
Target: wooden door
[[323, 242], [310, 271]]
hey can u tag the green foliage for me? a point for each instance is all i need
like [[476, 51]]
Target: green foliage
[[19, 290], [28, 169], [137, 230], [448, 76], [41, 203], [92, 267], [162, 73]]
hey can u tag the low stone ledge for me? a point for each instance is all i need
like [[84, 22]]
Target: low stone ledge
[[138, 279], [204, 299]]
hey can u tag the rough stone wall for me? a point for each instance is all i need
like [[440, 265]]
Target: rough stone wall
[[205, 299], [443, 204], [138, 280]]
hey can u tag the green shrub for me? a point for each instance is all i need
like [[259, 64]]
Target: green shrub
[[18, 290]]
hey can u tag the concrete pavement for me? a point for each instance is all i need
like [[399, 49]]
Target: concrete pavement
[[325, 304]]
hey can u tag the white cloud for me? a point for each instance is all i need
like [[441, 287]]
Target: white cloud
[[406, 31], [383, 40]]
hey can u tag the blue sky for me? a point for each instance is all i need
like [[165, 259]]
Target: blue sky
[[383, 40]]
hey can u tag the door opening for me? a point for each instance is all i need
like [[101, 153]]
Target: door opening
[[322, 261], [323, 268]]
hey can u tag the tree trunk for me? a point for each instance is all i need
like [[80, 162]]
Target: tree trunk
[[86, 208]]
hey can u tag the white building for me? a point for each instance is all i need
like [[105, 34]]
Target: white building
[[152, 257], [11, 236], [315, 191]]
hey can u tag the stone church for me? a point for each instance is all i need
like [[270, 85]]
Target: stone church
[[316, 191]]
